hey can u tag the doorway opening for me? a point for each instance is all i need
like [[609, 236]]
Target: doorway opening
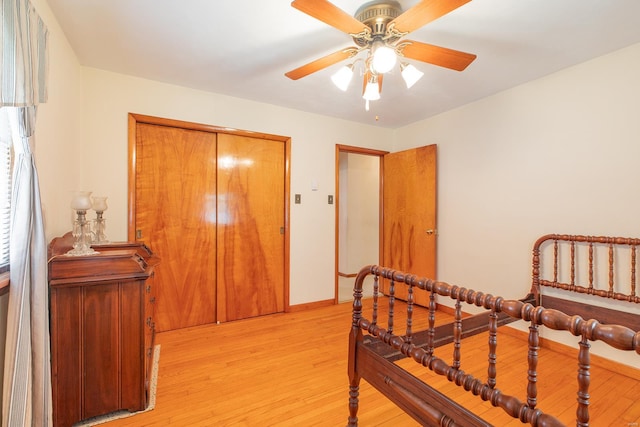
[[358, 215]]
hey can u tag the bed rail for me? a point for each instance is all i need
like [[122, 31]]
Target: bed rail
[[425, 404]]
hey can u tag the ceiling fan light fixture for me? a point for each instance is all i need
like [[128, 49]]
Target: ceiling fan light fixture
[[371, 91], [342, 77], [410, 74], [378, 29], [384, 58]]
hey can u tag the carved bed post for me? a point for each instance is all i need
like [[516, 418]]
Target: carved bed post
[[584, 364], [355, 337], [535, 264]]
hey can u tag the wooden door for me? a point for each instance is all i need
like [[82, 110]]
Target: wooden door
[[251, 224], [175, 215], [409, 215]]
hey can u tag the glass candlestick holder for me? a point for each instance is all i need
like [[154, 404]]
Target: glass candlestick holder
[[99, 224], [81, 231]]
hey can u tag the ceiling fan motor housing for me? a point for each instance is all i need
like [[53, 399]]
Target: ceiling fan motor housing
[[376, 15]]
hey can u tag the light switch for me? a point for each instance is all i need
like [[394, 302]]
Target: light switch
[[297, 199], [330, 199]]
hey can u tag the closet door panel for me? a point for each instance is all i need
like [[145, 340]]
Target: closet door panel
[[175, 215], [251, 220]]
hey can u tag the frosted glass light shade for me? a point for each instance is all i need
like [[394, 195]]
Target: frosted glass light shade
[[410, 74], [342, 77], [99, 204], [81, 200], [384, 59], [371, 92]]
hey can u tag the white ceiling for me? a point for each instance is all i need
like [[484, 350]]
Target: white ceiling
[[242, 48]]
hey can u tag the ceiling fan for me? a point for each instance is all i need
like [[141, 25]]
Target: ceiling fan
[[378, 27]]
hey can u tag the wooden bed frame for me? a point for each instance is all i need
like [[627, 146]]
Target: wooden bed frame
[[373, 348]]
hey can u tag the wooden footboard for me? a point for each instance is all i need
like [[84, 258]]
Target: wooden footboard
[[373, 347]]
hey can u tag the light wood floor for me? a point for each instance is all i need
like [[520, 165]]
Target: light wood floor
[[291, 370]]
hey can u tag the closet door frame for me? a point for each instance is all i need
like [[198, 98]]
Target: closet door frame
[[133, 121]]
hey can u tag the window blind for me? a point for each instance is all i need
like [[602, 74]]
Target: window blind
[[5, 189]]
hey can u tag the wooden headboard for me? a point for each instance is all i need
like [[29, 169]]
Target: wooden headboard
[[601, 267]]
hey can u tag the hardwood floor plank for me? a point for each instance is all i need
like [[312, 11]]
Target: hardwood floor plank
[[291, 370]]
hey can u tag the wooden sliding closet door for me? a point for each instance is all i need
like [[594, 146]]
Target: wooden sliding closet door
[[175, 215], [212, 204], [251, 221]]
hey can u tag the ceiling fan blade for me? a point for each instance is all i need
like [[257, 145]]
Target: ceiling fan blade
[[365, 80], [436, 55], [321, 63], [425, 12], [330, 14]]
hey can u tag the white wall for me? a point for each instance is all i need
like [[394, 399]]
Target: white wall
[[58, 159], [359, 213], [363, 219]]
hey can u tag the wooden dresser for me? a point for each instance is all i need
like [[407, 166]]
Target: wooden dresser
[[102, 329]]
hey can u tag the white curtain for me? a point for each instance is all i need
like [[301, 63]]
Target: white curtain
[[23, 55], [27, 371]]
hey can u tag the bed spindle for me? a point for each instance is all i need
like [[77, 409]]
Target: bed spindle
[[590, 266], [431, 332], [555, 261], [532, 359], [493, 348], [611, 269], [374, 315], [409, 332], [582, 412], [457, 333], [633, 273], [573, 265], [392, 301]]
